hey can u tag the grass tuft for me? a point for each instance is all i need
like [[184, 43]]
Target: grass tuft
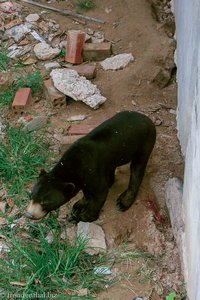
[[21, 154], [85, 4], [31, 80], [35, 267], [4, 60]]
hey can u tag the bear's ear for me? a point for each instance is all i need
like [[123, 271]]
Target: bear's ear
[[69, 188], [42, 172]]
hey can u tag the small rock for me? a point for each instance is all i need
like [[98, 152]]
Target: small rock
[[18, 51], [18, 32], [95, 236], [77, 87], [52, 65], [32, 18], [36, 123], [82, 292], [117, 62], [43, 51], [50, 237], [172, 111], [173, 196], [76, 118], [162, 78]]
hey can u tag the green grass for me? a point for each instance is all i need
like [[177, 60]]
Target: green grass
[[21, 155], [31, 80], [4, 60], [85, 4], [58, 268], [7, 96]]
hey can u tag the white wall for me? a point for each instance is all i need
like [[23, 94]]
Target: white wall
[[187, 14]]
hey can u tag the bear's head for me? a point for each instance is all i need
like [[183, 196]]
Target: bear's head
[[48, 194]]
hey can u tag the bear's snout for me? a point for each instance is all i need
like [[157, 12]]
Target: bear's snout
[[35, 211]]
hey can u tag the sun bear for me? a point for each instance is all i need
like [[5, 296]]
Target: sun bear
[[89, 165]]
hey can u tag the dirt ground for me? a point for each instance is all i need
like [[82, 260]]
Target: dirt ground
[[131, 28]]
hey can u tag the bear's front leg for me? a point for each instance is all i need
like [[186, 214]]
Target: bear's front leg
[[88, 208]]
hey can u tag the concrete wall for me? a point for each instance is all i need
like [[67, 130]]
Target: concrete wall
[[187, 14]]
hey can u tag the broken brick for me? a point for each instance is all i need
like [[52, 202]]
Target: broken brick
[[74, 47], [56, 97], [79, 129], [69, 140], [21, 100], [97, 51], [89, 71], [13, 23]]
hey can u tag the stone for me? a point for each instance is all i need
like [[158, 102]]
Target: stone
[[52, 65], [43, 51], [18, 51], [162, 78], [95, 236], [32, 18], [18, 32], [77, 87], [173, 196], [117, 62], [76, 118], [36, 123]]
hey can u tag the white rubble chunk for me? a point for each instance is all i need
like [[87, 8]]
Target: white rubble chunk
[[18, 51], [95, 236], [18, 32], [117, 62], [44, 51], [70, 83], [52, 65], [32, 18]]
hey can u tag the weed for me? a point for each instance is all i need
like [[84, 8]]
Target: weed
[[21, 154], [34, 266], [63, 52], [4, 60], [7, 96], [85, 4], [171, 296], [31, 80]]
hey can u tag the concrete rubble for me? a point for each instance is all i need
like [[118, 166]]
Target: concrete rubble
[[77, 87], [117, 62], [95, 236], [44, 51]]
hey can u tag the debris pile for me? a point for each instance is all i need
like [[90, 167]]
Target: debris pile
[[74, 54]]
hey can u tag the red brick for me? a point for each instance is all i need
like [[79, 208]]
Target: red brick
[[89, 71], [74, 48], [97, 51], [55, 96], [80, 129], [13, 23], [21, 100], [68, 140]]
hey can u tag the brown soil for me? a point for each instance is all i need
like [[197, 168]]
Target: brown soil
[[132, 29]]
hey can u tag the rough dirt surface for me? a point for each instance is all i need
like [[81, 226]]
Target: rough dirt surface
[[131, 28]]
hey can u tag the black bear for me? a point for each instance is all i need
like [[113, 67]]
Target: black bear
[[89, 165]]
